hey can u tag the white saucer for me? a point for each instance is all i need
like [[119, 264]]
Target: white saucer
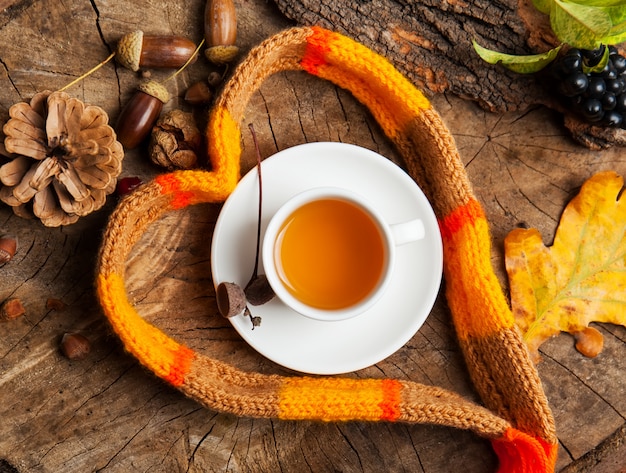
[[298, 342]]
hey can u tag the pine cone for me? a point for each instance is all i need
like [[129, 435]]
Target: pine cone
[[66, 158]]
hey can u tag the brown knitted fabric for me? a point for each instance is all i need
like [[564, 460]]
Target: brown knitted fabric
[[516, 417]]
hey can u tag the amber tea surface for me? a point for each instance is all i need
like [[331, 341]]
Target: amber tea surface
[[330, 254]]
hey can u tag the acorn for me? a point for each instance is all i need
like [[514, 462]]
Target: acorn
[[220, 31], [141, 113], [136, 50]]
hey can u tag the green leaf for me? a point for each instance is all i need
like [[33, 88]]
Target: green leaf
[[618, 19], [520, 64], [598, 3], [615, 39], [596, 19], [544, 6], [578, 25]]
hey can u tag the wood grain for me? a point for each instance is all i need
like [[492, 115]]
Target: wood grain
[[106, 413]]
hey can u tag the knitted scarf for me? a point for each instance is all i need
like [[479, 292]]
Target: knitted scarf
[[515, 415]]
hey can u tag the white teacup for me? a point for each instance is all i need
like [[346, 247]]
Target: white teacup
[[329, 254]]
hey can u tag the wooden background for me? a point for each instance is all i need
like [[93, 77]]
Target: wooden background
[[106, 413]]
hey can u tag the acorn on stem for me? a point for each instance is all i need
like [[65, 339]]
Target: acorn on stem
[[220, 31], [136, 50], [141, 113]]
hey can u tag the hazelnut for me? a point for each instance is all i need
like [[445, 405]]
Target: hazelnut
[[199, 93], [75, 346], [8, 247]]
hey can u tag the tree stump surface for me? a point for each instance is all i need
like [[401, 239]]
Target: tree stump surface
[[107, 413]]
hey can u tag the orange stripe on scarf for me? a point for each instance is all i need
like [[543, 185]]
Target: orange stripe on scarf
[[464, 215], [474, 293], [155, 350], [180, 365], [318, 45], [521, 453], [339, 399]]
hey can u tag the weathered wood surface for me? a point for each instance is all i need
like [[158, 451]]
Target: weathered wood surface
[[106, 413]]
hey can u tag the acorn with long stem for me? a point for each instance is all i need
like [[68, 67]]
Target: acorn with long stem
[[142, 111]]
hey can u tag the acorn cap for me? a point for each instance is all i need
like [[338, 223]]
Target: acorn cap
[[221, 54], [155, 89], [129, 50]]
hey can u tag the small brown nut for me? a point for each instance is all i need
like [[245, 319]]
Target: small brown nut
[[136, 50], [11, 309], [8, 247], [75, 346], [175, 141], [215, 79], [589, 341], [231, 299], [258, 291], [220, 30], [55, 304], [199, 93]]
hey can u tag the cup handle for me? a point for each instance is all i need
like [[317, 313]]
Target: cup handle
[[407, 232]]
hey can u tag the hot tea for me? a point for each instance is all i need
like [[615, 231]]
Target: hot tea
[[330, 254]]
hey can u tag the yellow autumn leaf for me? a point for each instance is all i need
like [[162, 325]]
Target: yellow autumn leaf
[[581, 278]]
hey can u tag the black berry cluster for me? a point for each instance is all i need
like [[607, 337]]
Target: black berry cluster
[[598, 97]]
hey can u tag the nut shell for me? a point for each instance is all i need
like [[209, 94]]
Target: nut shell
[[175, 141], [11, 309], [199, 93], [8, 247], [75, 346]]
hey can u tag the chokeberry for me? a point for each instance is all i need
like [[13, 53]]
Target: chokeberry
[[571, 62], [609, 101], [598, 96], [612, 118], [616, 86], [596, 87], [574, 84], [592, 110]]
